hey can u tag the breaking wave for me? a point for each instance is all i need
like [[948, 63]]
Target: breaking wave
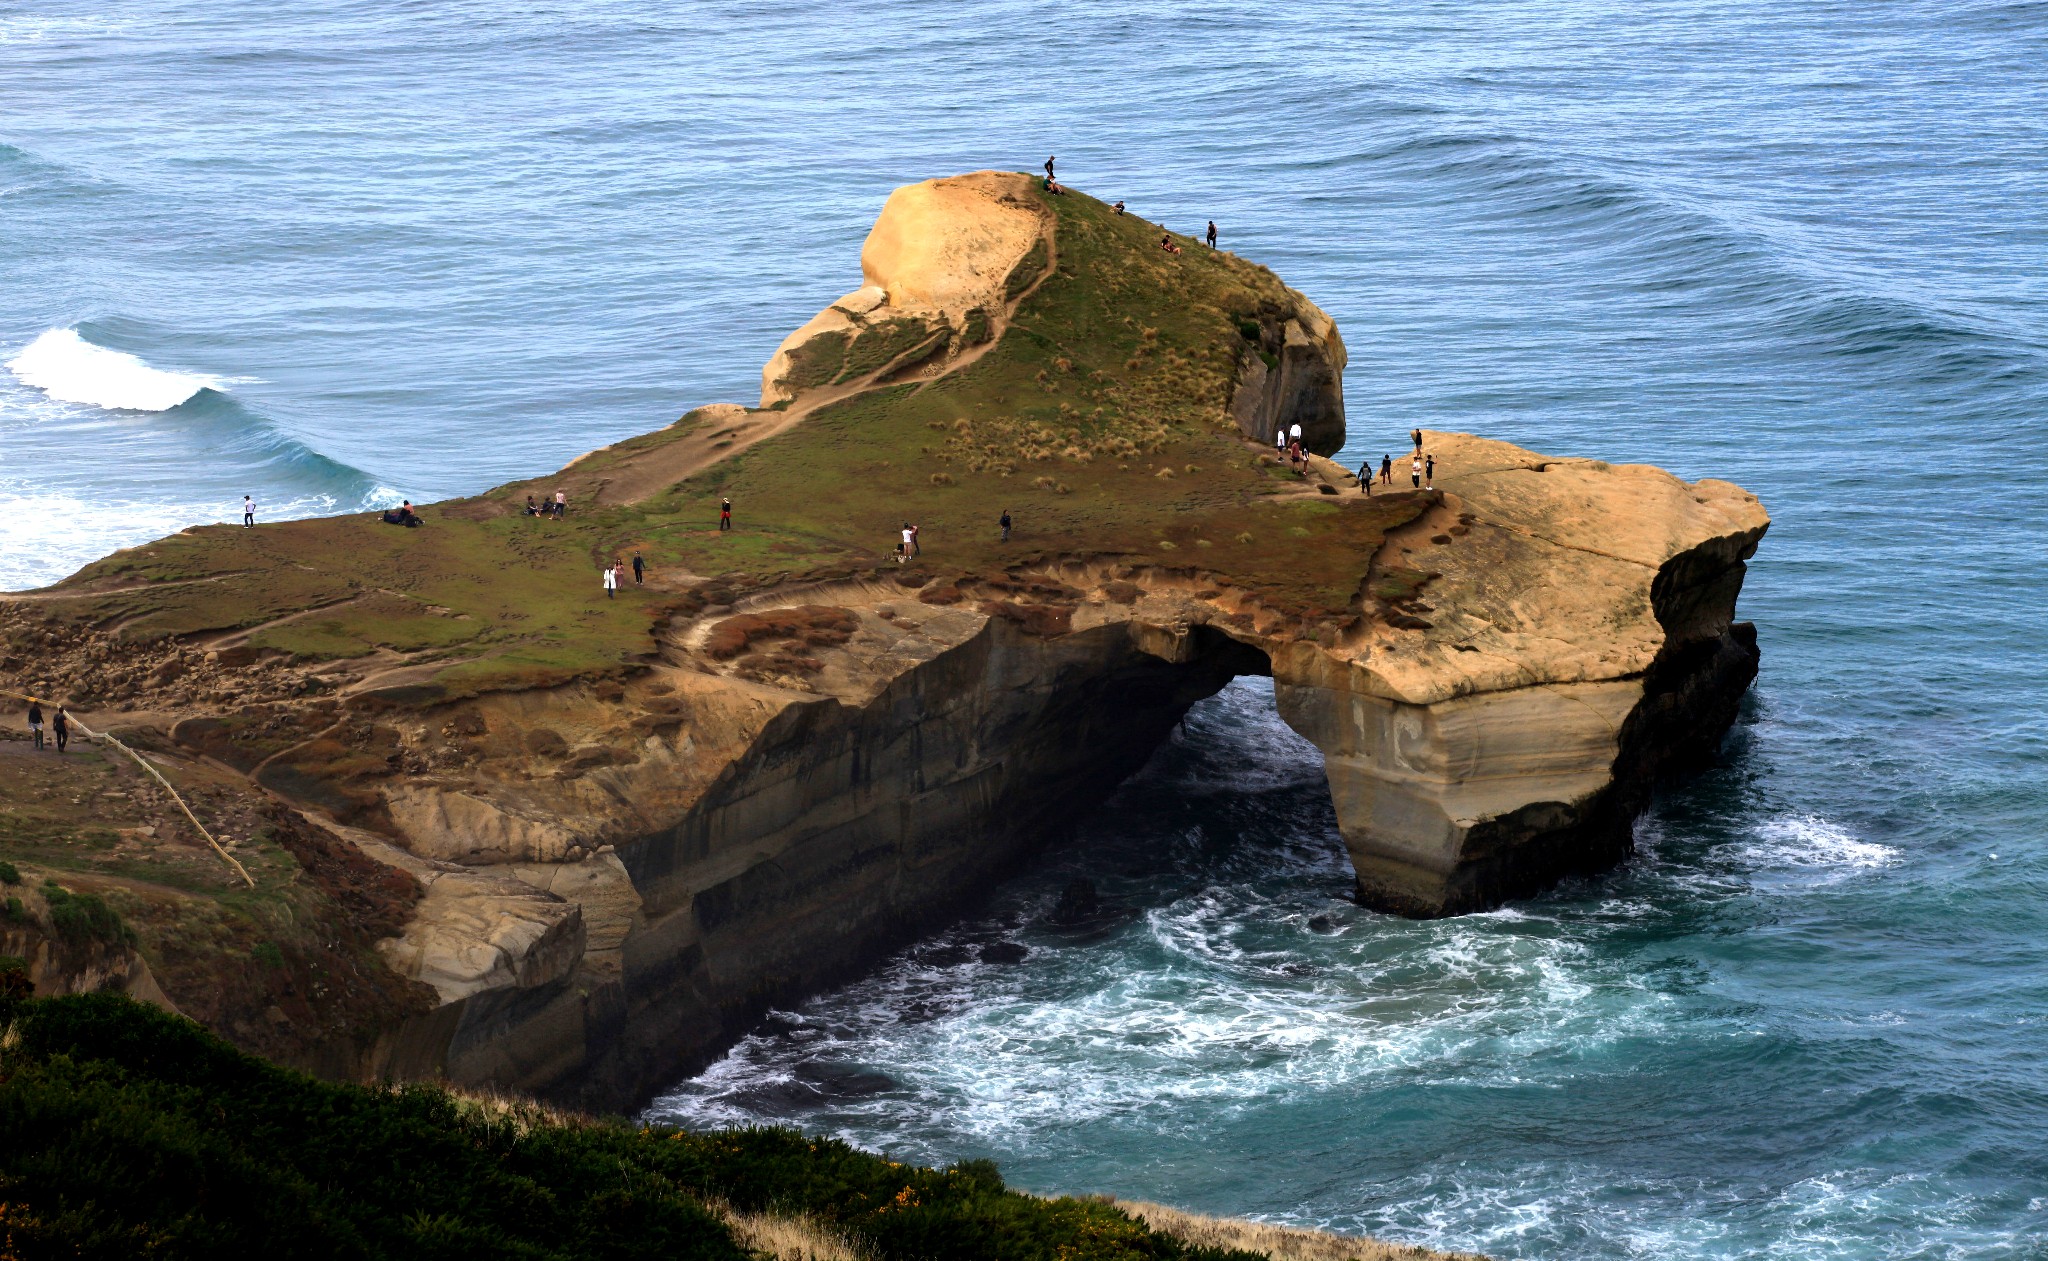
[[65, 366]]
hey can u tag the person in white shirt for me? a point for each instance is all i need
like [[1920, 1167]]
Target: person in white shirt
[[611, 582], [248, 512]]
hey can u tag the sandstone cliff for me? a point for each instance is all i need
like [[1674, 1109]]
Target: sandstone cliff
[[631, 823]]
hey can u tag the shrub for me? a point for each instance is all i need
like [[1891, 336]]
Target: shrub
[[83, 917], [131, 1131], [9, 874]]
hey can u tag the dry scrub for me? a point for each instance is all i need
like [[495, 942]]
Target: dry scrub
[[1282, 1243]]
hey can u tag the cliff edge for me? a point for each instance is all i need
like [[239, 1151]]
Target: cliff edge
[[626, 824]]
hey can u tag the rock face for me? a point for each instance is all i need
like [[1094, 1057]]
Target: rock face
[[774, 779], [1579, 644], [938, 269]]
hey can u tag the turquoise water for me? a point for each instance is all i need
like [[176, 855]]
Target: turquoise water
[[333, 253]]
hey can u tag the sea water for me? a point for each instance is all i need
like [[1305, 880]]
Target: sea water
[[329, 254]]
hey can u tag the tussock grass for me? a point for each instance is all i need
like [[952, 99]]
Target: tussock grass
[[1282, 1243]]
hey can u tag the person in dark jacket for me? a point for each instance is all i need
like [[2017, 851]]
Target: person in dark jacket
[[35, 722], [61, 726]]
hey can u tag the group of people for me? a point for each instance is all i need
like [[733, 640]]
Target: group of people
[[614, 575], [558, 507], [403, 515], [1421, 468], [908, 549], [1166, 241], [1289, 443], [60, 725]]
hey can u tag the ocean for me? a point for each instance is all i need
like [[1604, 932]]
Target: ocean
[[329, 254]]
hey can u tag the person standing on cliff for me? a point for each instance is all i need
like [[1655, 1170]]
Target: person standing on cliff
[[724, 514], [1429, 472], [1048, 167], [915, 549], [61, 726], [1005, 523], [1386, 470], [248, 512], [611, 582], [561, 505], [1365, 478], [639, 569], [1415, 435], [1415, 473], [35, 722], [1212, 234]]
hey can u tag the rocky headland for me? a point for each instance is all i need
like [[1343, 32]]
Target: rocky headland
[[508, 831]]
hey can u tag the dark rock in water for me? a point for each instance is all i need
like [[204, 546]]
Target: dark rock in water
[[1004, 952], [1322, 924], [1079, 904]]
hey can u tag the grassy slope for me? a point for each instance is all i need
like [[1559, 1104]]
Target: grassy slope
[[132, 1133], [1117, 367]]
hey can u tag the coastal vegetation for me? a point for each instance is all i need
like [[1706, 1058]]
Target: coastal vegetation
[[132, 1132]]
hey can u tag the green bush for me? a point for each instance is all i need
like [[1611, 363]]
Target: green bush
[[83, 917], [9, 873], [15, 911], [131, 1131]]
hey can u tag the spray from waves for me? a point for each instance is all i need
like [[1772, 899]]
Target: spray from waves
[[69, 368]]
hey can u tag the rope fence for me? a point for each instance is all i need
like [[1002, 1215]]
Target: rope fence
[[155, 774]]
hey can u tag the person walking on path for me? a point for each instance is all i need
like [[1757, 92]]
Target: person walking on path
[[915, 548], [60, 725], [35, 722], [1279, 439], [248, 512], [1415, 435], [1212, 234], [639, 569], [561, 505], [724, 514], [1429, 472], [1415, 473], [611, 582], [1386, 470], [1294, 437], [1005, 523], [1048, 167]]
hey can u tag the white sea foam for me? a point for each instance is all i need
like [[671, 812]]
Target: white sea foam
[[67, 367], [1807, 841]]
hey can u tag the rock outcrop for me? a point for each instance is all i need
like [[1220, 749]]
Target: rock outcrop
[[635, 823]]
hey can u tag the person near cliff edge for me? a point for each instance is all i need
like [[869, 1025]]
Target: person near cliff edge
[[35, 722], [1429, 472], [724, 514], [60, 726], [639, 569], [1415, 436], [1415, 473], [1365, 478], [1386, 470], [1004, 522], [248, 512], [611, 582], [1048, 168], [1212, 234]]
